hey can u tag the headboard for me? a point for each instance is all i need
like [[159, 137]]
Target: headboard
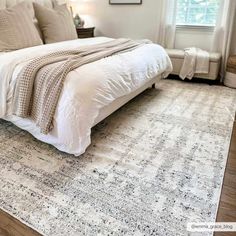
[[10, 3], [48, 3]]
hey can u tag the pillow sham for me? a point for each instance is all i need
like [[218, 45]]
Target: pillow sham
[[17, 29], [56, 24]]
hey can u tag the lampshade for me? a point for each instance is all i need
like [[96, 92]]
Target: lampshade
[[79, 6]]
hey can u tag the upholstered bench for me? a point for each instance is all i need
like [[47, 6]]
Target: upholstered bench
[[177, 58], [230, 78]]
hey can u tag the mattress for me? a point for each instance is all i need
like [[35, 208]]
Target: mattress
[[86, 90]]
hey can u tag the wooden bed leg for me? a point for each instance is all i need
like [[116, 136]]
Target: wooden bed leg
[[153, 86]]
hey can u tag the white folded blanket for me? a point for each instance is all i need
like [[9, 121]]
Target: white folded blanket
[[196, 60]]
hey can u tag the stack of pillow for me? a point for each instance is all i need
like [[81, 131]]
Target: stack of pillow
[[18, 28]]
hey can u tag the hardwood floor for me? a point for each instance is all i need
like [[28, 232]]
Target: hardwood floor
[[226, 213], [227, 207], [9, 226]]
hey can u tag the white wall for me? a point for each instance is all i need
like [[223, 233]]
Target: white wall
[[135, 21], [194, 38], [139, 21]]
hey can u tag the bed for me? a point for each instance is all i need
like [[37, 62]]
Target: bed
[[90, 93]]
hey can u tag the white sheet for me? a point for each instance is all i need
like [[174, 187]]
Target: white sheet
[[196, 60], [86, 89]]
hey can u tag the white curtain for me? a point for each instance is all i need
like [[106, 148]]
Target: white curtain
[[223, 31], [167, 27]]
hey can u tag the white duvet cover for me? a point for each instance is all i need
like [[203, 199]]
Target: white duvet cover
[[86, 89]]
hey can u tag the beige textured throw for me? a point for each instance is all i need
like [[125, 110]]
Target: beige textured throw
[[40, 83]]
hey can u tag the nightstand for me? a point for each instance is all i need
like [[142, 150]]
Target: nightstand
[[85, 32]]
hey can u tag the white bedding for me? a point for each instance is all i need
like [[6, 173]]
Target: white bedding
[[86, 89]]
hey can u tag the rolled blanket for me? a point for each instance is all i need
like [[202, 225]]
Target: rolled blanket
[[40, 83], [196, 60]]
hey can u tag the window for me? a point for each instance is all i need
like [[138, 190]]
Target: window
[[197, 12]]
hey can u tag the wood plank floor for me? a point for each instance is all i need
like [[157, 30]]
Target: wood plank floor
[[227, 207], [226, 213], [9, 226]]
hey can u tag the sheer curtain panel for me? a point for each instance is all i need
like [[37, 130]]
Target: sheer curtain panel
[[222, 38], [167, 27]]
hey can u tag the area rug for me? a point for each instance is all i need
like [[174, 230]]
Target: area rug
[[153, 166]]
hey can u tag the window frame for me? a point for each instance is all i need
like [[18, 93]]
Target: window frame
[[195, 27]]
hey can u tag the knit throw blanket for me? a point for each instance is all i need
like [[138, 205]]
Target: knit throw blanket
[[40, 83]]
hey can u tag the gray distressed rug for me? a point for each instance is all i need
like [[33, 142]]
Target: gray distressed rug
[[153, 166]]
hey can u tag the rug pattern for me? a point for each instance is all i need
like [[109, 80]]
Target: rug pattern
[[153, 166]]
